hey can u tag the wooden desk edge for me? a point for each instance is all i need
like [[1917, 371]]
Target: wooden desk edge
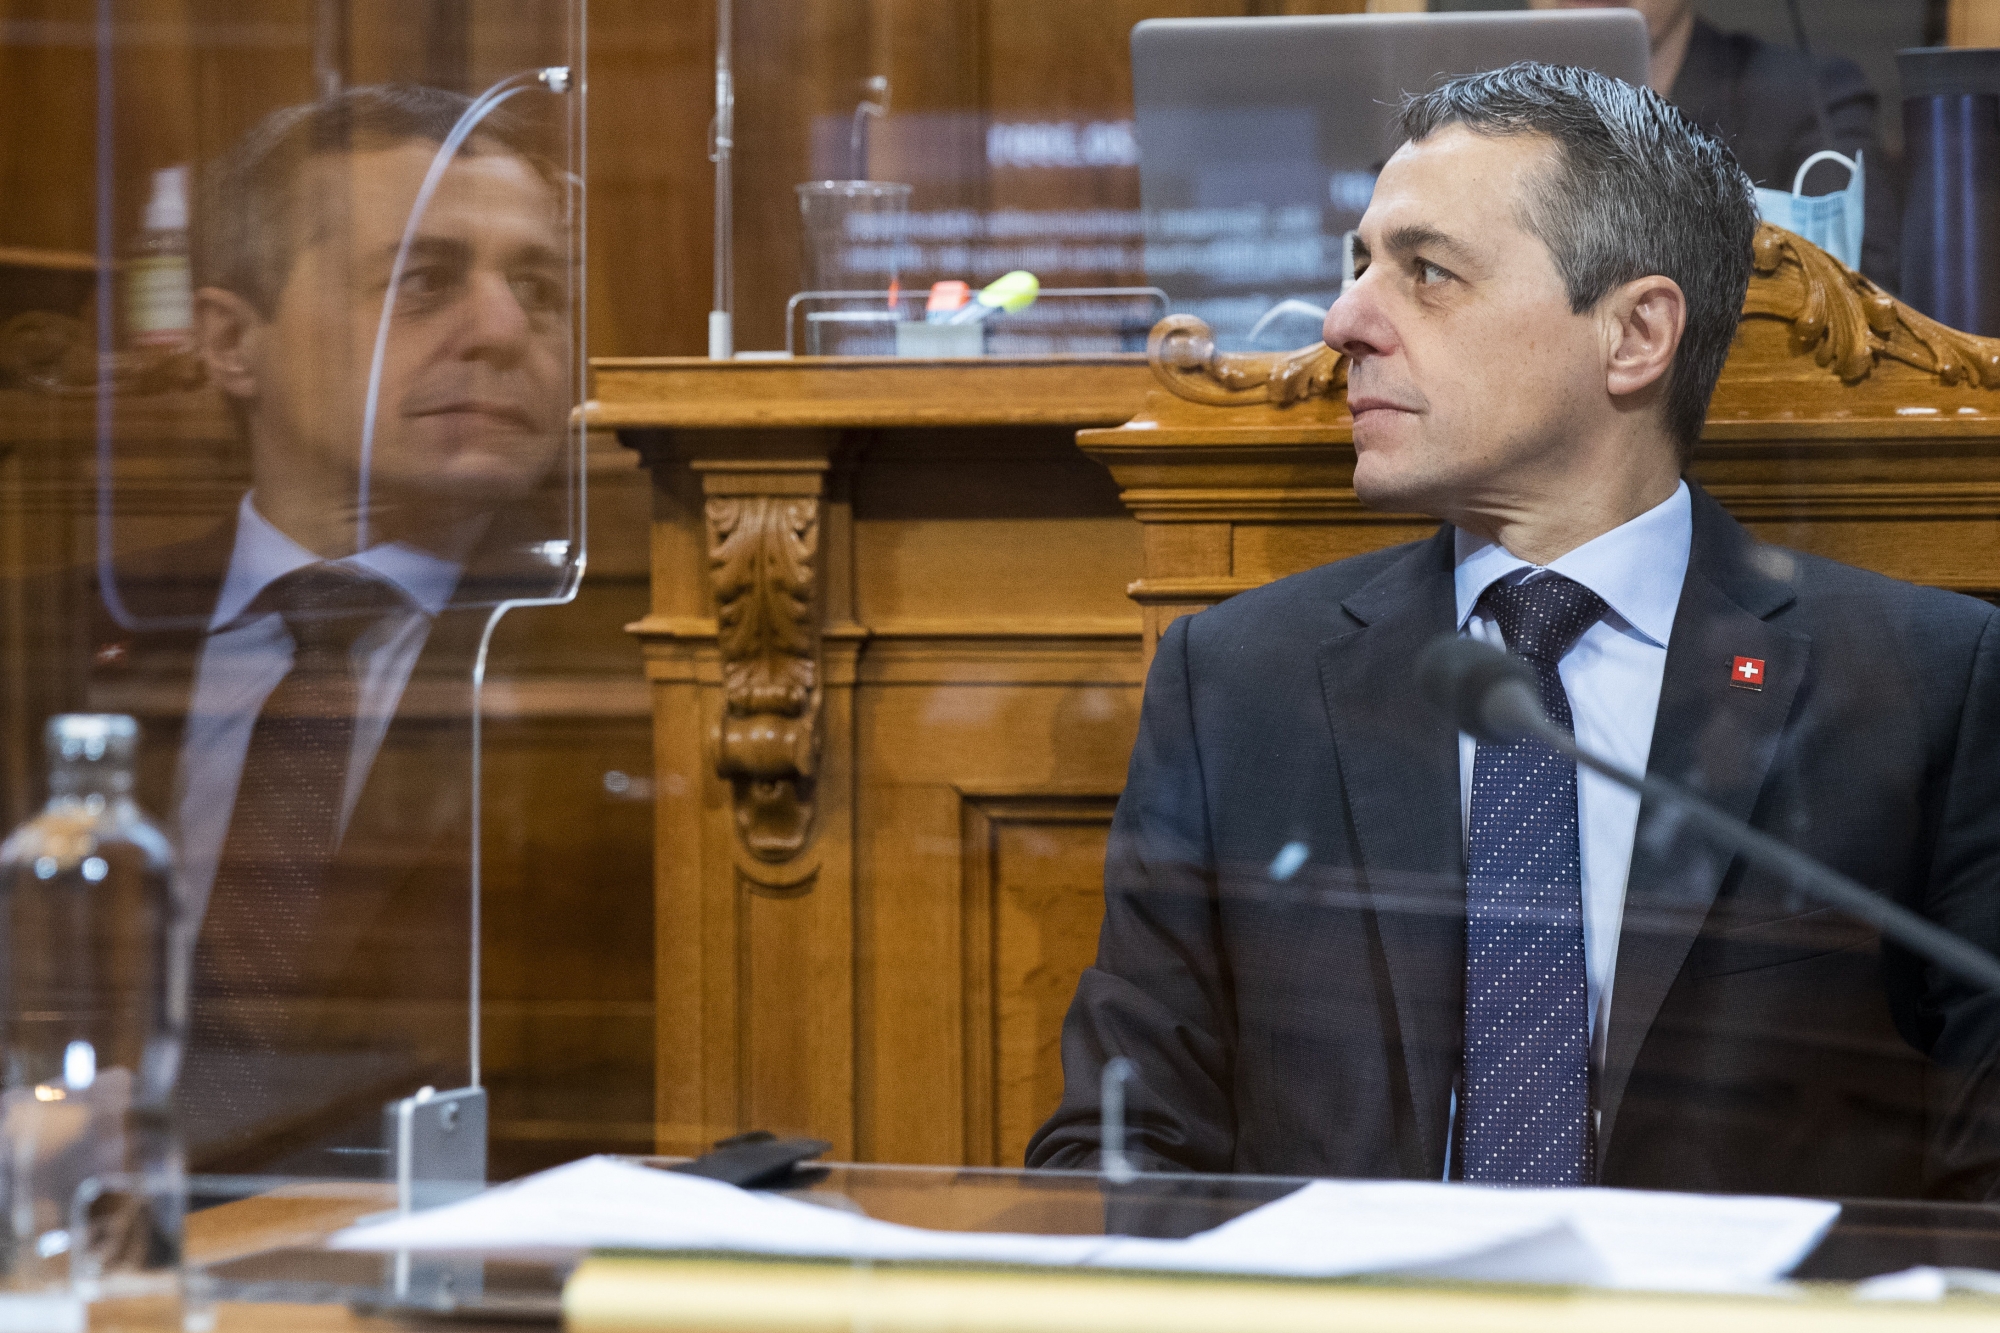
[[629, 1293]]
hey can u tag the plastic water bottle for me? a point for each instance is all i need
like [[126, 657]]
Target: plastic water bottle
[[95, 1009]]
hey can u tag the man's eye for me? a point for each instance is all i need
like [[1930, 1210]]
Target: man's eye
[[426, 282], [1429, 273], [536, 293]]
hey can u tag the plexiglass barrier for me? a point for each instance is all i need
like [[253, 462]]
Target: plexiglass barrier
[[311, 405], [1055, 829]]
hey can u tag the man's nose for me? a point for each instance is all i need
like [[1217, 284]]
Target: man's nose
[[496, 326], [1357, 324]]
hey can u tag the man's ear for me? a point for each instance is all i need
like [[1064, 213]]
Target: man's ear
[[1643, 322], [227, 331]]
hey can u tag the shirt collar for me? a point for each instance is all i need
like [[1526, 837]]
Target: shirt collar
[[1637, 567], [262, 555]]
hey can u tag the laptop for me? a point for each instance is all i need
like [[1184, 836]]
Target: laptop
[[1260, 139]]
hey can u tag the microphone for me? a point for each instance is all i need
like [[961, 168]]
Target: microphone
[[1494, 697]]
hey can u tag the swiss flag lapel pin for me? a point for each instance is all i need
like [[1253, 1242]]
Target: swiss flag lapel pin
[[1747, 673]]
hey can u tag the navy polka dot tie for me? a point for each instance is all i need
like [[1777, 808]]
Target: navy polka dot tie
[[256, 959], [1524, 1112]]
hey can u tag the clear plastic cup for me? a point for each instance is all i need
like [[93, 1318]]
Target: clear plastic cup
[[852, 233]]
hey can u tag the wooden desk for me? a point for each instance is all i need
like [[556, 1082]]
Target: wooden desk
[[704, 1292], [617, 1295], [294, 1218], [895, 676], [898, 628], [302, 1216], [298, 1217]]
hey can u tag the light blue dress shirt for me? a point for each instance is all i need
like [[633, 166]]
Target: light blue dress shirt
[[1612, 676], [244, 659]]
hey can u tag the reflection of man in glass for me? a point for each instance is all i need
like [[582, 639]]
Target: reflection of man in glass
[[473, 385], [318, 794]]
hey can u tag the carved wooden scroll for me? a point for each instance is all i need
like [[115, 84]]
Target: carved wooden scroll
[[1849, 324], [1182, 353], [761, 552], [58, 355]]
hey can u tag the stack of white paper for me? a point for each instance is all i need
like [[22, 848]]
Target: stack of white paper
[[1619, 1238], [1595, 1237]]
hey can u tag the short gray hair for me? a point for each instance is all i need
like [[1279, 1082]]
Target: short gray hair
[[1637, 189]]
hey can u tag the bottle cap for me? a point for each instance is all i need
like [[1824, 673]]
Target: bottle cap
[[947, 296], [167, 210], [93, 737]]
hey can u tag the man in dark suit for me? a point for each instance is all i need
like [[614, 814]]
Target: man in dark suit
[[309, 664], [1340, 939]]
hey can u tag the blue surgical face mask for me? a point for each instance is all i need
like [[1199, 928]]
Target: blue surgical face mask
[[1830, 221]]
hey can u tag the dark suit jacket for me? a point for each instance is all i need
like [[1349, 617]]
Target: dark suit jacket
[[1757, 1042], [1758, 98], [383, 1006]]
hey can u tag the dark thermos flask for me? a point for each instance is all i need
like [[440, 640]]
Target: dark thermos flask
[[1951, 214]]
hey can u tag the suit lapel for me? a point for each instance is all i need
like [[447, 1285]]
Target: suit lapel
[[1398, 765], [1714, 739]]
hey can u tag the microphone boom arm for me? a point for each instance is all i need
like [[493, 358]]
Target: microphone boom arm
[[1924, 938]]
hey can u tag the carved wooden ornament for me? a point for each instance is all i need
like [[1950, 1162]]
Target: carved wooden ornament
[[1849, 324], [58, 355], [1182, 353], [761, 552]]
